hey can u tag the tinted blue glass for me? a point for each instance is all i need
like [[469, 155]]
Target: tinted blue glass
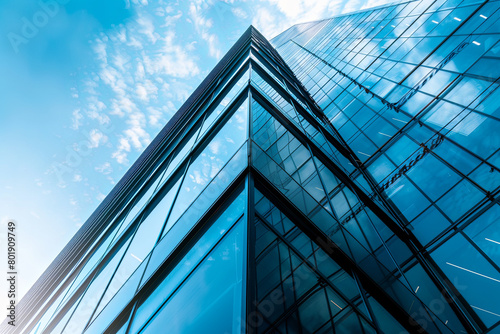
[[472, 275], [407, 198], [206, 166], [211, 297], [188, 263], [460, 199], [485, 232]]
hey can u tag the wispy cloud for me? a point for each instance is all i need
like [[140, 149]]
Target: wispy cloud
[[104, 168], [203, 25]]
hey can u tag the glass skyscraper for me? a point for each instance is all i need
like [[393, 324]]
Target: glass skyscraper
[[342, 178]]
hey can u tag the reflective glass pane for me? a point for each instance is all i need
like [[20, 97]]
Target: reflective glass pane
[[212, 291]]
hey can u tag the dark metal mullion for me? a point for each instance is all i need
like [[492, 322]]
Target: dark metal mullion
[[250, 293], [455, 229], [80, 292], [364, 299], [479, 250], [299, 109], [351, 209], [307, 262], [53, 325], [143, 216], [200, 144], [294, 308], [136, 199], [436, 97], [332, 323], [114, 272], [291, 127], [70, 281], [445, 39], [492, 328], [287, 81], [290, 77]]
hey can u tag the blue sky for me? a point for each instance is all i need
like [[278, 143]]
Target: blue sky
[[87, 84]]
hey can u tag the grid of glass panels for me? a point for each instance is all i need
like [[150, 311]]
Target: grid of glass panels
[[412, 90]]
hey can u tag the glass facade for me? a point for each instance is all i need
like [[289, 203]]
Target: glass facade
[[342, 178]]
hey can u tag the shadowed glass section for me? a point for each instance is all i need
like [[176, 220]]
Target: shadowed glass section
[[354, 228], [297, 284]]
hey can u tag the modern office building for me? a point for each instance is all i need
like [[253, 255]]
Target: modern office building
[[343, 178]]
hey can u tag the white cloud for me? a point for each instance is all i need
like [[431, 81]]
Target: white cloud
[[203, 26], [76, 120], [239, 13], [121, 61], [275, 16], [136, 134], [139, 73], [146, 90], [100, 49], [104, 168], [114, 79], [96, 138], [135, 43], [121, 153], [140, 2], [171, 20], [154, 116], [122, 105], [147, 28], [173, 59]]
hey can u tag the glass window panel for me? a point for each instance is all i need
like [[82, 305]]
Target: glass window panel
[[477, 133], [214, 114], [457, 157], [314, 311], [472, 275], [407, 198], [117, 303], [402, 149], [189, 262], [89, 300], [433, 177], [428, 225], [142, 243], [380, 168], [208, 164], [485, 232], [486, 177], [467, 90], [460, 199], [491, 104], [385, 320], [445, 115], [213, 291]]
